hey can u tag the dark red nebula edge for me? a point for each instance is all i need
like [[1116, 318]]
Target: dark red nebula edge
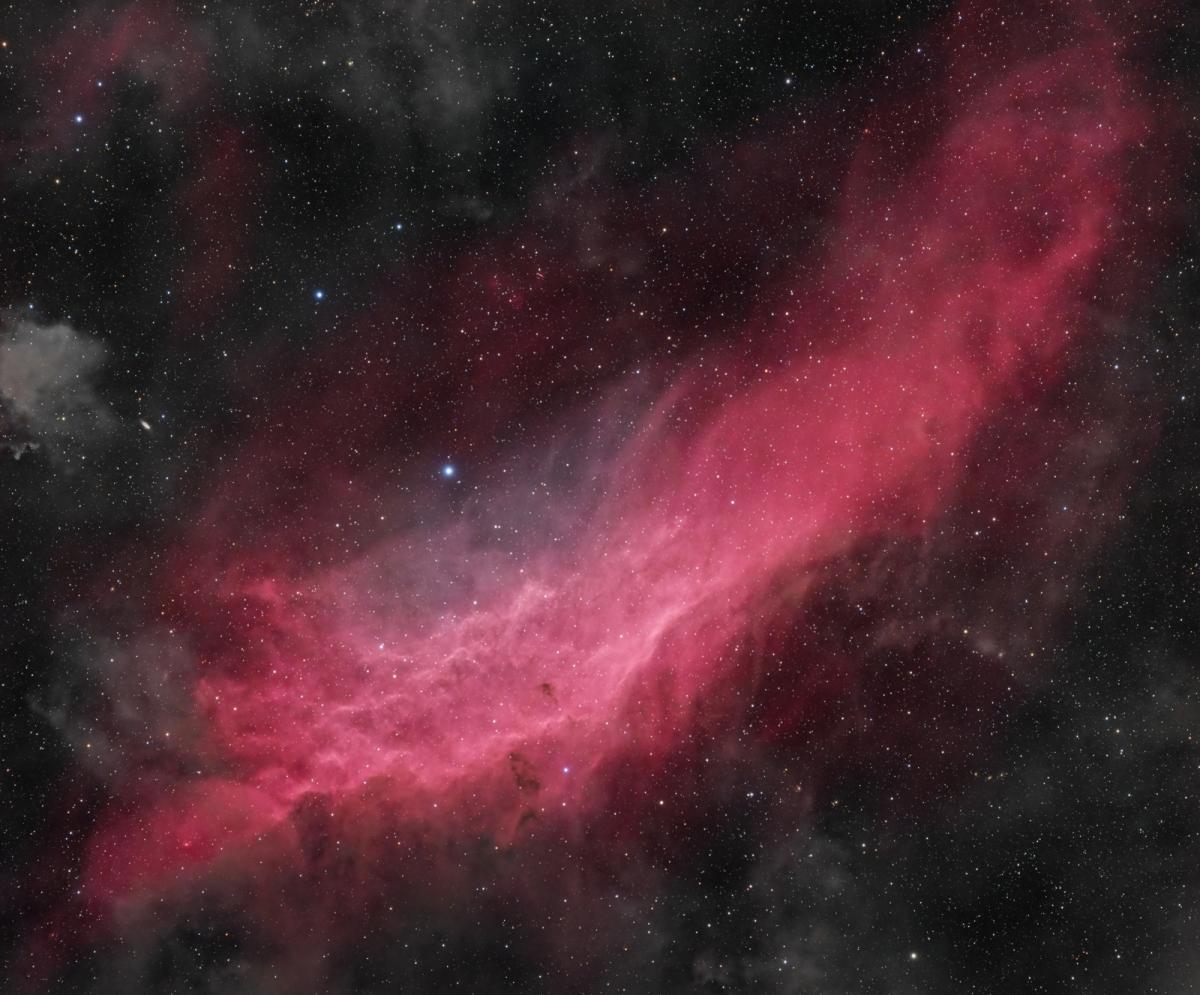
[[769, 515]]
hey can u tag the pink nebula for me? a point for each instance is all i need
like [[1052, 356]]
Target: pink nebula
[[643, 584]]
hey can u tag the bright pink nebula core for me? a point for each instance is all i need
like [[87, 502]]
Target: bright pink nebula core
[[496, 660]]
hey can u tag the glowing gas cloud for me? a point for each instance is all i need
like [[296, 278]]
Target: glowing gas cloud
[[601, 602]]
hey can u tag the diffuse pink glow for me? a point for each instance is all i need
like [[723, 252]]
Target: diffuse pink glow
[[476, 684]]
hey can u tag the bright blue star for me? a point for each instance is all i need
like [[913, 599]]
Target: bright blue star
[[448, 471], [78, 119], [319, 295]]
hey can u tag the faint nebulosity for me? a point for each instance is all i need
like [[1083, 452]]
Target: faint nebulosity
[[599, 497]]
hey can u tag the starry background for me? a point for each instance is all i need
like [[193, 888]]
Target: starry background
[[198, 199]]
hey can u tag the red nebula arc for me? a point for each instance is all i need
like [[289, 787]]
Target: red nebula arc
[[480, 686]]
